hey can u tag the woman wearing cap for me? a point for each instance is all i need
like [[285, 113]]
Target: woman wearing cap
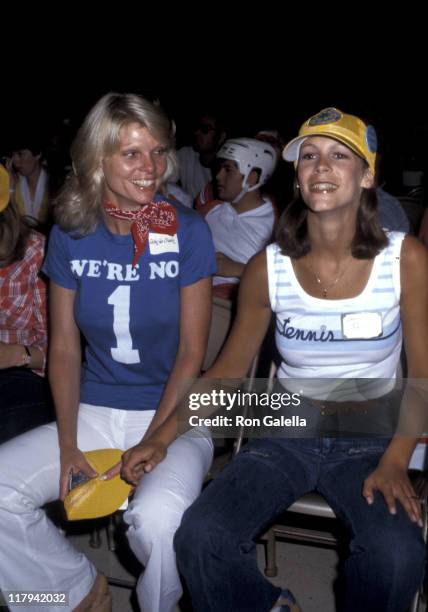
[[132, 273], [343, 293], [24, 393]]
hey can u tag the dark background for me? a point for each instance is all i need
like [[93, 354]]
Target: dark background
[[252, 89]]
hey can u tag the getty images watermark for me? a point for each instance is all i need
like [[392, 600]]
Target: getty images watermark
[[304, 408], [239, 403]]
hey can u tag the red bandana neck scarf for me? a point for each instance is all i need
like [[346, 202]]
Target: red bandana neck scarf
[[158, 217]]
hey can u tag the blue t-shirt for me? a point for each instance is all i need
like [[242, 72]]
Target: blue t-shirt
[[129, 316]]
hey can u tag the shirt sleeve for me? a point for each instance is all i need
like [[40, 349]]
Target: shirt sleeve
[[197, 251], [58, 260]]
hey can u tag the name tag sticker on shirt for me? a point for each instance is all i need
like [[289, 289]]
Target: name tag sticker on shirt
[[362, 325], [162, 243]]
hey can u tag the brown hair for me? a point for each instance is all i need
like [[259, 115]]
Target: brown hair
[[369, 238], [13, 236]]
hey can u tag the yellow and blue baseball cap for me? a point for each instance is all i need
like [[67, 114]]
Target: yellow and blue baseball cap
[[347, 129], [4, 188], [95, 497]]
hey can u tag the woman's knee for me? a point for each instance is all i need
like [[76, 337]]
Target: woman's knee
[[189, 535], [200, 536], [404, 552], [15, 495], [152, 522], [395, 550], [14, 501]]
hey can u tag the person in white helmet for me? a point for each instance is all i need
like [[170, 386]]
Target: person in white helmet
[[241, 224]]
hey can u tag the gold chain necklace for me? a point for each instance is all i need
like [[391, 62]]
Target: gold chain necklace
[[325, 290]]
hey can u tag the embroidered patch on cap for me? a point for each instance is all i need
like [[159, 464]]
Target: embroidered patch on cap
[[328, 115], [371, 139]]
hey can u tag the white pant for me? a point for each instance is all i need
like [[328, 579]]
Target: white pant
[[35, 556]]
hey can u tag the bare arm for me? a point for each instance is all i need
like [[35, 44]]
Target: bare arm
[[195, 312], [12, 355], [39, 347], [64, 377], [414, 315], [245, 338], [244, 341], [391, 475], [250, 325]]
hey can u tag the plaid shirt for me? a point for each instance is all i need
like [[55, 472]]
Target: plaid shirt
[[23, 299]]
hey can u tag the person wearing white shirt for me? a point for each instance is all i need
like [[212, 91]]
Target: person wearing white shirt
[[241, 225]]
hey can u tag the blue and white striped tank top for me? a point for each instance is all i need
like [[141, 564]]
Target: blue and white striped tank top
[[309, 331]]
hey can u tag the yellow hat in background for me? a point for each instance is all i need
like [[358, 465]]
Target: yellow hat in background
[[347, 129], [4, 188], [95, 498]]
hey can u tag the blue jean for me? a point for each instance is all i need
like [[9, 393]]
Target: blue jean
[[215, 544], [25, 402]]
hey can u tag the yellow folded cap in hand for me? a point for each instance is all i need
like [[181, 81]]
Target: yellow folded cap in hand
[[95, 498]]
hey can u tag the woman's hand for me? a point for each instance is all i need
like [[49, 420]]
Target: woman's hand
[[393, 482], [10, 355], [141, 459], [72, 461]]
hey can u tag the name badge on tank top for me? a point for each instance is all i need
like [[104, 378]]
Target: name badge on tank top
[[361, 325]]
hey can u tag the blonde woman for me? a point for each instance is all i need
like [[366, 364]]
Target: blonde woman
[[131, 272]]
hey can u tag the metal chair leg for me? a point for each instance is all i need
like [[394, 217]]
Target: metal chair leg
[[110, 531], [271, 568], [95, 538]]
